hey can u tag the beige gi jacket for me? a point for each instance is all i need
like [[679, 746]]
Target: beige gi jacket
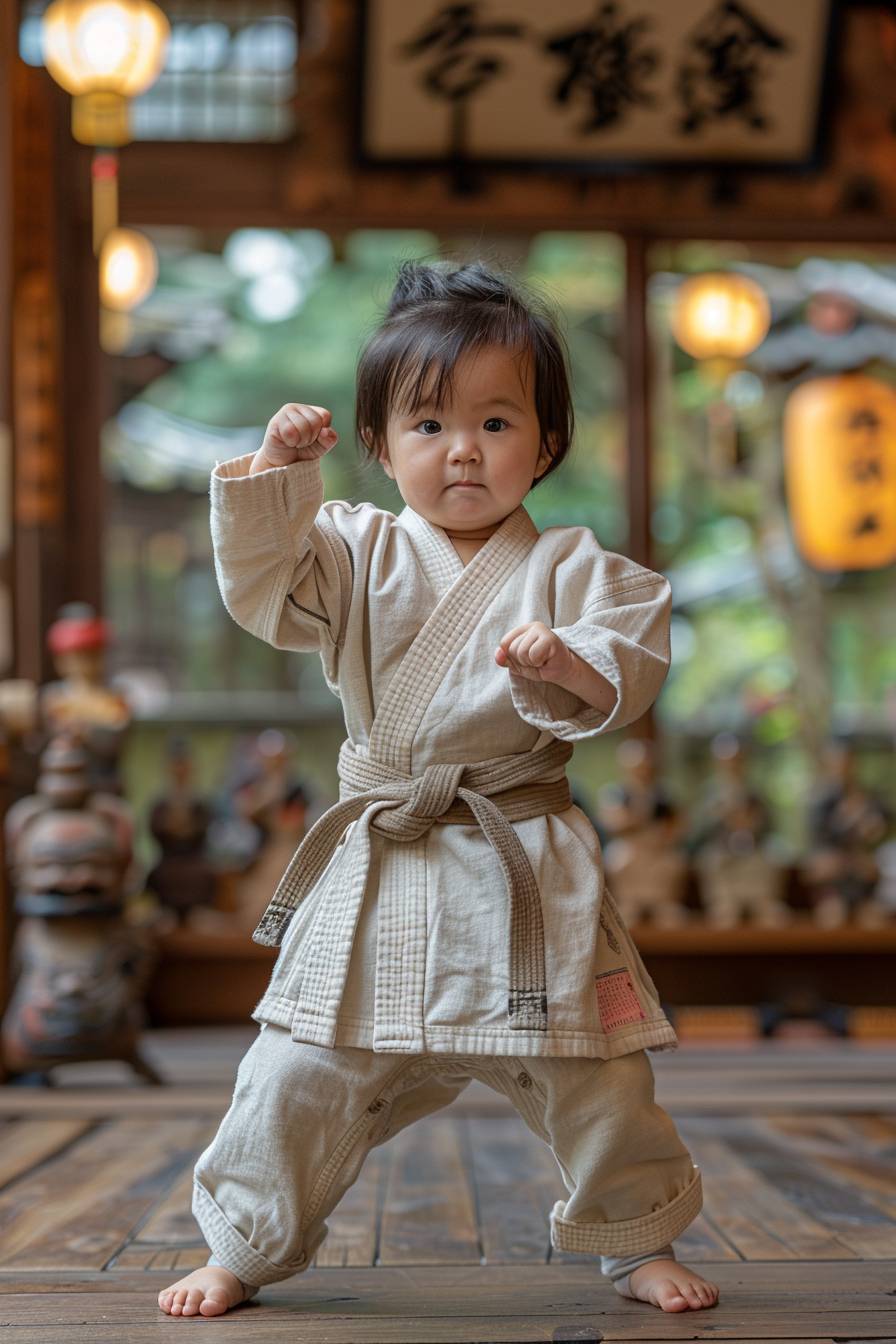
[[401, 933]]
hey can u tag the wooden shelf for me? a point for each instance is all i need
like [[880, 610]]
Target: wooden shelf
[[800, 936]]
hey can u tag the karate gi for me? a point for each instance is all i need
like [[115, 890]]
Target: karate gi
[[464, 943]]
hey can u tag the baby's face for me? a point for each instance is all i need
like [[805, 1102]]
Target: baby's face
[[489, 434]]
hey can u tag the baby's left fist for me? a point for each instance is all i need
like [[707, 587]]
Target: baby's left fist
[[534, 651]]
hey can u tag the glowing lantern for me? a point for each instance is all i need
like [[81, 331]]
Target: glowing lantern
[[128, 269], [103, 52], [840, 471], [720, 315]]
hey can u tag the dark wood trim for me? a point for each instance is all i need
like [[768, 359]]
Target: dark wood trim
[[8, 25], [636, 364], [84, 387], [636, 374]]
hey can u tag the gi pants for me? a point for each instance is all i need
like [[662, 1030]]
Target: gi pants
[[304, 1117]]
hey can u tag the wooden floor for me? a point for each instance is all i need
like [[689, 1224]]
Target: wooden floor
[[445, 1235]]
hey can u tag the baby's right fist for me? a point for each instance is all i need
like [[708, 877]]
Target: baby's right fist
[[297, 433]]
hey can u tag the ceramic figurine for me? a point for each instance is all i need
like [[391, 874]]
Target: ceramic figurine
[[80, 700], [848, 826], [646, 868], [286, 822], [740, 863], [81, 966], [179, 820]]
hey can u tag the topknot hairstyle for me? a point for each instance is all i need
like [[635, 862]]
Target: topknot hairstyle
[[439, 312]]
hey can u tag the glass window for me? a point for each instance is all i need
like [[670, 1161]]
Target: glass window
[[229, 71]]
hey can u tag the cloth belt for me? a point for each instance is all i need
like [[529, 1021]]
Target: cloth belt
[[451, 793]]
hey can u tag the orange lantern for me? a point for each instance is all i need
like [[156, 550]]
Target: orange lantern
[[720, 315], [840, 471]]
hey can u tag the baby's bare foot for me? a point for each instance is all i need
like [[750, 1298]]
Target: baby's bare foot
[[672, 1286], [209, 1291]]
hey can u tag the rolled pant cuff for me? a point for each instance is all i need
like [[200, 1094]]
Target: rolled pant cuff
[[231, 1250], [630, 1236]]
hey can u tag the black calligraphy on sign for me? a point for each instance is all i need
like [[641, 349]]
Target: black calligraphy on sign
[[608, 61], [865, 468], [719, 76], [461, 59]]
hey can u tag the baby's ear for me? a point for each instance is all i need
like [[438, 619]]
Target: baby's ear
[[549, 449], [382, 456]]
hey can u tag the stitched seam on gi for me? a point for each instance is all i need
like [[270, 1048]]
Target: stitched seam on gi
[[336, 1160], [623, 587]]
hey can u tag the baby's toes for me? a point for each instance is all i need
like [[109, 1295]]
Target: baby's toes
[[215, 1302], [194, 1299], [165, 1299], [671, 1296]]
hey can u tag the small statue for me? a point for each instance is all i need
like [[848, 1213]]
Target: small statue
[[848, 826], [269, 782], [80, 701], [286, 827], [741, 864], [82, 968], [179, 821], [646, 868]]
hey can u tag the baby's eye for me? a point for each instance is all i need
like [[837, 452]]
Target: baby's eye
[[494, 423], [429, 427]]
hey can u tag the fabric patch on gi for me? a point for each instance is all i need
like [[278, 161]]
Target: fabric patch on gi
[[617, 1000]]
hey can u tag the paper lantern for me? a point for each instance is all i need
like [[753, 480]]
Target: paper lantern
[[720, 315], [103, 52], [128, 269], [840, 471]]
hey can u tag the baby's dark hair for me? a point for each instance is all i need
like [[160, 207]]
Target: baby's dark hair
[[439, 312]]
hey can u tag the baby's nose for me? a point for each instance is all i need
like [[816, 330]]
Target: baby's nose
[[465, 446]]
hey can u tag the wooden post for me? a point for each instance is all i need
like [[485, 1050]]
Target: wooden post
[[8, 46], [637, 376], [637, 400]]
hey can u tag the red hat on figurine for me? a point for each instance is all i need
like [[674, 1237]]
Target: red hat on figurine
[[77, 627]]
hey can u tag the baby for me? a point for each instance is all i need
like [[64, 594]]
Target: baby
[[447, 919]]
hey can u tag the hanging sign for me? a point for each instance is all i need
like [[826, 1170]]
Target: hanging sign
[[593, 84]]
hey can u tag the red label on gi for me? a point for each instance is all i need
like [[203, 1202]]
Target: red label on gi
[[617, 1000]]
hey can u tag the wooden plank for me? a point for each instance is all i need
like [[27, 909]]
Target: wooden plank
[[25, 1143], [429, 1216], [171, 1222], [858, 1224], [119, 1101], [517, 1181], [754, 1215], [353, 1224], [511, 1303], [139, 1256], [834, 1145], [76, 1211], [266, 1329], [866, 1284]]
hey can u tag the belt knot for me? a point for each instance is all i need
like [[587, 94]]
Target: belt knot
[[434, 791]]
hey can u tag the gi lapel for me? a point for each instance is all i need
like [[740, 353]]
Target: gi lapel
[[464, 593]]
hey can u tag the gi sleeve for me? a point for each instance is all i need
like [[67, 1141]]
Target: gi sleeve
[[623, 632], [284, 570]]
